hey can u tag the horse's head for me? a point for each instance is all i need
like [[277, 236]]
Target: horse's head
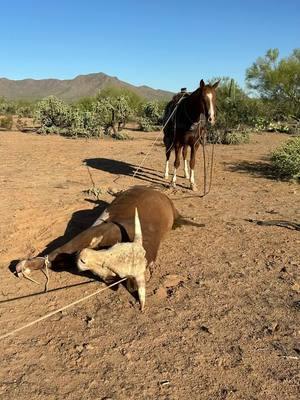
[[208, 94]]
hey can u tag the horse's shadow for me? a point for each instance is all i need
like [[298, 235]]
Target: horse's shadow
[[117, 167]]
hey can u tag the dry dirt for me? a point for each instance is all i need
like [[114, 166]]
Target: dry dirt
[[225, 327]]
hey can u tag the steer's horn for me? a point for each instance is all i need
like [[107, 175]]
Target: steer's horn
[[137, 228], [141, 286]]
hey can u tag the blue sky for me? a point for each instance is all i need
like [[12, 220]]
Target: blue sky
[[163, 44]]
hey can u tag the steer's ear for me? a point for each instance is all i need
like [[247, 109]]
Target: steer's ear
[[95, 242]]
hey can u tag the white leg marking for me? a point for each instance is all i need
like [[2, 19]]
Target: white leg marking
[[192, 180], [167, 170], [174, 178], [186, 170], [192, 176], [103, 217]]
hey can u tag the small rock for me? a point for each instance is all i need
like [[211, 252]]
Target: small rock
[[79, 348], [161, 293], [172, 280], [164, 383], [296, 287]]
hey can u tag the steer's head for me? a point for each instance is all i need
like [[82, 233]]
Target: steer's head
[[126, 260]]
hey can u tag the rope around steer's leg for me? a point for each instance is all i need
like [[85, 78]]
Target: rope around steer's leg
[[60, 309]]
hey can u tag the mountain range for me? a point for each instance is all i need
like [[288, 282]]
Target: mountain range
[[72, 89]]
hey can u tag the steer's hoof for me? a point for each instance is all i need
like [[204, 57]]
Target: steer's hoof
[[29, 265]]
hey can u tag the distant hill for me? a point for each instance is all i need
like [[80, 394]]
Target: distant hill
[[72, 89]]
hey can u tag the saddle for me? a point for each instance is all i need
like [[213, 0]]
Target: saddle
[[172, 104]]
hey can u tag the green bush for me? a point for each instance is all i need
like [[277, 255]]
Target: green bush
[[234, 137], [6, 122], [7, 106], [286, 160], [54, 115], [107, 116], [151, 116]]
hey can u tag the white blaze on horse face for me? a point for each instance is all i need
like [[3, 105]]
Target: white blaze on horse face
[[167, 170], [211, 110]]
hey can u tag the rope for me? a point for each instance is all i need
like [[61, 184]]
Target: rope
[[157, 136], [59, 310]]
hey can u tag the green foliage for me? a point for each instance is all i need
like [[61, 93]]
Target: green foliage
[[234, 137], [134, 101], [151, 116], [286, 160], [106, 116], [6, 122], [54, 114], [277, 80], [7, 107]]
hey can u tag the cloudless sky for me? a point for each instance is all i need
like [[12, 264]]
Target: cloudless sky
[[162, 44]]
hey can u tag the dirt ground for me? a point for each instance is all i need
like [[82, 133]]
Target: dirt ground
[[225, 327]]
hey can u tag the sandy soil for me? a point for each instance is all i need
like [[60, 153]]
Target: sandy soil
[[225, 327]]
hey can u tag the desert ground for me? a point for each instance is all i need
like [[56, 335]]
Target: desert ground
[[223, 300]]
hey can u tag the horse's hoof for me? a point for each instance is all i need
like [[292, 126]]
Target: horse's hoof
[[166, 176], [173, 185], [187, 176], [194, 187]]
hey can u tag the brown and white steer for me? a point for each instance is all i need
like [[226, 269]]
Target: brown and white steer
[[140, 216]]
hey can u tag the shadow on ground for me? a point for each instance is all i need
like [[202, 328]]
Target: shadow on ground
[[80, 220], [261, 169], [117, 167]]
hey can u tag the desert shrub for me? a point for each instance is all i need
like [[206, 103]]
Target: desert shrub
[[233, 137], [107, 116], [151, 116], [134, 101], [113, 113], [6, 122], [286, 160], [84, 124], [7, 107], [54, 115]]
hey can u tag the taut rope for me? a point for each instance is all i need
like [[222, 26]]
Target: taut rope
[[60, 309]]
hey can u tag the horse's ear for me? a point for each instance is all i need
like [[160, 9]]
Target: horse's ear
[[216, 84], [202, 84]]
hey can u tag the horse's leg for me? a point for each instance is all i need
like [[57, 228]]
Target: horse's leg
[[176, 163], [168, 153], [186, 169], [192, 166]]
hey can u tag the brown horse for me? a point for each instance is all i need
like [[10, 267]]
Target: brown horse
[[187, 126]]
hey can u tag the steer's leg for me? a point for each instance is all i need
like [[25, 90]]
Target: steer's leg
[[111, 235]]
